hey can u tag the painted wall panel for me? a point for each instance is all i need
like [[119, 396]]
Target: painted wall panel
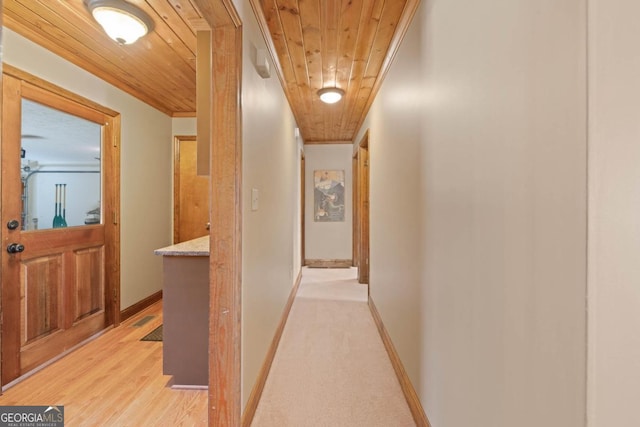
[[328, 240], [614, 220], [478, 210], [271, 165]]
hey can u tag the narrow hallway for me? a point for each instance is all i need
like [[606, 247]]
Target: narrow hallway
[[331, 367]]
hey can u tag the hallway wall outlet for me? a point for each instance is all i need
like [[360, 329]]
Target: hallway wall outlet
[[254, 199]]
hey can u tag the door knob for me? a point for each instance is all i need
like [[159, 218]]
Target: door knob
[[13, 224], [15, 248]]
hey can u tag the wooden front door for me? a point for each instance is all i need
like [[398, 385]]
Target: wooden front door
[[191, 193], [60, 274]]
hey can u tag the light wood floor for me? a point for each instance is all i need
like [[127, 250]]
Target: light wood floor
[[115, 380]]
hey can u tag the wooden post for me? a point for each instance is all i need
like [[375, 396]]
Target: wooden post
[[225, 268]]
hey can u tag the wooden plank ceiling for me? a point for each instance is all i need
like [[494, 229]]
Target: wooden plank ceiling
[[316, 43], [159, 69], [333, 43]]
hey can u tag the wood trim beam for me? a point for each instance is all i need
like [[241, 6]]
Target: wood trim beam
[[111, 206], [225, 268], [203, 102], [419, 416], [256, 393], [312, 142], [19, 74], [328, 263], [226, 221]]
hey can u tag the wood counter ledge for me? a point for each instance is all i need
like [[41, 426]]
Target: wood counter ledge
[[195, 247]]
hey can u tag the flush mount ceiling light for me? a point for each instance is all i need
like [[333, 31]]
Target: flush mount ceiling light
[[122, 21], [330, 95]]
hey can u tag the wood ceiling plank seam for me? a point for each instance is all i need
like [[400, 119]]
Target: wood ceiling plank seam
[[56, 19], [319, 114], [330, 15], [376, 17], [292, 30], [365, 84], [388, 24], [364, 95], [347, 43], [186, 9], [274, 20], [174, 28], [175, 53], [166, 50], [366, 33], [22, 28], [167, 18], [350, 25], [218, 13], [310, 21], [307, 92], [231, 14], [74, 16], [269, 21], [269, 12], [331, 127], [402, 26], [403, 23]]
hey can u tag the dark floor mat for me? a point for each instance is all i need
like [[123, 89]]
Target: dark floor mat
[[155, 335]]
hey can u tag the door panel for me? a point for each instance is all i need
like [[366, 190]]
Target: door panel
[[89, 282], [42, 290], [55, 287], [191, 193]]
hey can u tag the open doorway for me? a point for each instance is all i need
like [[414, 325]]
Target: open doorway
[[190, 192]]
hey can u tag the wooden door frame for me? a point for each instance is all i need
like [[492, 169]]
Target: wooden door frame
[[355, 247], [110, 172], [302, 207], [176, 182], [362, 218], [225, 283]]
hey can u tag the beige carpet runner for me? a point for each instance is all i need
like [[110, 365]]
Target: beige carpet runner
[[331, 368]]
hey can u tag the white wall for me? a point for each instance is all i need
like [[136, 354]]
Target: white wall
[[478, 211], [614, 213], [183, 126], [328, 240], [271, 164], [82, 194], [145, 156]]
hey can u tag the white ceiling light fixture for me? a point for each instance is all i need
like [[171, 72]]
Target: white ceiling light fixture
[[330, 95], [122, 21]]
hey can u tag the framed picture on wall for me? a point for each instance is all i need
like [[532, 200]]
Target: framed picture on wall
[[328, 205]]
